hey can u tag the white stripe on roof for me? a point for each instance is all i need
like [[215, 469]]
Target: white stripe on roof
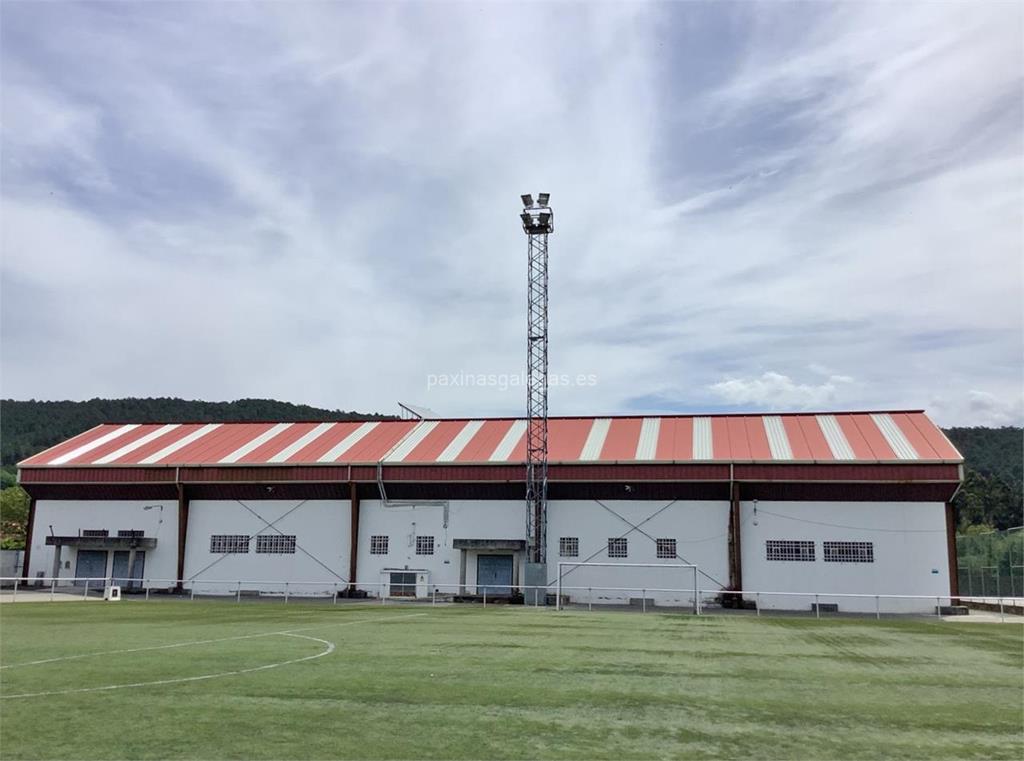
[[137, 444], [181, 443], [301, 442], [595, 439], [411, 441], [702, 449], [462, 438], [647, 446], [508, 443], [349, 441], [259, 441], [778, 441], [896, 438], [837, 442], [78, 451]]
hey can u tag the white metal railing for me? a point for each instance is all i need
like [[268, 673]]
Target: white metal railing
[[587, 596]]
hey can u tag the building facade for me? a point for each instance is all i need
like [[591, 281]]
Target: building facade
[[775, 508]]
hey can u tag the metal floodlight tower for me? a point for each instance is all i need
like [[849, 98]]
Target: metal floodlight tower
[[538, 223]]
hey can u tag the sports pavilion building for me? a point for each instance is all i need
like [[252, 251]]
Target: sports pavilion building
[[840, 503]]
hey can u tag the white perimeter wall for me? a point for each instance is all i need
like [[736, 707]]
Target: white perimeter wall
[[467, 519], [320, 527], [699, 527], [68, 517], [909, 553], [909, 545]]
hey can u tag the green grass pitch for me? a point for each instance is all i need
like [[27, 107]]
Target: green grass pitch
[[364, 681]]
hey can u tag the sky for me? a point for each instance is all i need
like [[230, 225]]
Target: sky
[[758, 206]]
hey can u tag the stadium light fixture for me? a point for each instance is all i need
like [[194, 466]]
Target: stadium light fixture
[[527, 219], [527, 200], [545, 219], [543, 198]]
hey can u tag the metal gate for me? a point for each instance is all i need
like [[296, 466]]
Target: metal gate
[[494, 575], [90, 564]]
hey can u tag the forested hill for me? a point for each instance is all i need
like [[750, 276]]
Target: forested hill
[[30, 427], [993, 490]]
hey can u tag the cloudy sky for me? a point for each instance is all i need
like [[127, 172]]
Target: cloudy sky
[[758, 206]]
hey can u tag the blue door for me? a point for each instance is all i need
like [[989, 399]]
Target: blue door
[[91, 564], [494, 575], [121, 573]]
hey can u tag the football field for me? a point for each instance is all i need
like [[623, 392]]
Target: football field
[[271, 681]]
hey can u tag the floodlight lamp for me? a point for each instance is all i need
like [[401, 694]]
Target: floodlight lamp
[[527, 219], [527, 199], [545, 218], [542, 198]]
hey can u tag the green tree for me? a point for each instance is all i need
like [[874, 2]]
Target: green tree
[[13, 518]]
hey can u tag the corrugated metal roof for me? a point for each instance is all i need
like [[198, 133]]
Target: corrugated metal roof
[[790, 438]]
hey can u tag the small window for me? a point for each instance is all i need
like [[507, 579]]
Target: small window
[[849, 552], [569, 547], [378, 545], [276, 544], [788, 549], [617, 548], [666, 548], [131, 533], [424, 545], [229, 543], [95, 533]]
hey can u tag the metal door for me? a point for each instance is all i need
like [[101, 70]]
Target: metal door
[[494, 575], [121, 572], [90, 564]]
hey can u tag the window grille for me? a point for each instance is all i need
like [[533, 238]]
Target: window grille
[[666, 548], [229, 543], [569, 547], [849, 552], [617, 548], [131, 533], [378, 545], [95, 533], [275, 544], [424, 545], [788, 549]]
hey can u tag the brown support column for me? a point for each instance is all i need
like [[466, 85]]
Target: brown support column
[[954, 567], [735, 557], [353, 543], [182, 533], [28, 539]]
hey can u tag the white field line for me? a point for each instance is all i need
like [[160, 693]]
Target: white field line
[[206, 641], [326, 651]]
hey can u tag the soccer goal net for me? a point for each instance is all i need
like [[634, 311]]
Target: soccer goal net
[[674, 585]]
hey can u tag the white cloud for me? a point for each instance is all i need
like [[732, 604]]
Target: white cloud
[[775, 391]]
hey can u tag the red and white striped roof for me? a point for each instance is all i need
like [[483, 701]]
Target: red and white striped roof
[[840, 437]]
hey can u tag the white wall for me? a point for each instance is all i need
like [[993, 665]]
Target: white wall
[[320, 527], [699, 528], [467, 519], [909, 553], [68, 517]]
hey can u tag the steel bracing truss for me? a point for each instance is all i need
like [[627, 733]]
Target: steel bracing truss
[[538, 223]]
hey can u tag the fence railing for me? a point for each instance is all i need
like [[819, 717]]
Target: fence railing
[[642, 598]]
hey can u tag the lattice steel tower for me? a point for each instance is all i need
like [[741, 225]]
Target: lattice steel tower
[[538, 223]]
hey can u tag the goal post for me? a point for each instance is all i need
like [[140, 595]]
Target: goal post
[[563, 564]]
